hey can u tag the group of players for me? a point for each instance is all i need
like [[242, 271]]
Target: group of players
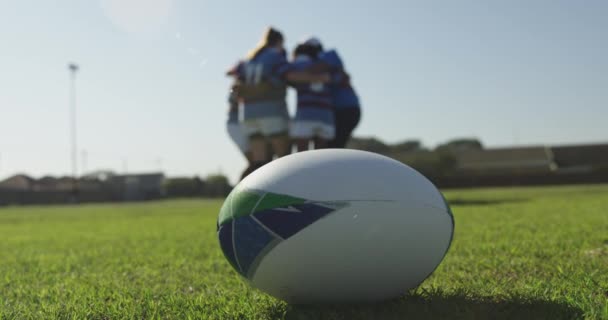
[[327, 112]]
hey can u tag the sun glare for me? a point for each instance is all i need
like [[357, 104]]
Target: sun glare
[[138, 16]]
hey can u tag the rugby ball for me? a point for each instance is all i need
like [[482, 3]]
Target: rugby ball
[[334, 226]]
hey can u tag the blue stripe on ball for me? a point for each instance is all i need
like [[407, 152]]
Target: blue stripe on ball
[[286, 222], [225, 236], [250, 239]]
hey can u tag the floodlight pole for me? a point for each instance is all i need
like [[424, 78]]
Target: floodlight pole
[[74, 156]]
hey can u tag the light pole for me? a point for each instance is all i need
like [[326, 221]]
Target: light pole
[[73, 69]]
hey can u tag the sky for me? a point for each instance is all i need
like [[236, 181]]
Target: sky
[[151, 90]]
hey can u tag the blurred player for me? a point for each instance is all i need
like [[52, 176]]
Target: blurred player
[[347, 108], [314, 119], [235, 128], [265, 118], [262, 92]]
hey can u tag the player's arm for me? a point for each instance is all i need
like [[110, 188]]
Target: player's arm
[[235, 71], [307, 77], [330, 62], [340, 78], [233, 96], [289, 74], [320, 67]]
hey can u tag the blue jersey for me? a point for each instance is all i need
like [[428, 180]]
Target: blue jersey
[[342, 92], [262, 68], [233, 106], [309, 95], [261, 88]]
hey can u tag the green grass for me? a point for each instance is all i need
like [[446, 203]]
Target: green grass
[[529, 253]]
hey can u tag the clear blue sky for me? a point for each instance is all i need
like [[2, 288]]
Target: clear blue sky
[[151, 91]]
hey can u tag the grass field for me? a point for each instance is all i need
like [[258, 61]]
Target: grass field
[[521, 253]]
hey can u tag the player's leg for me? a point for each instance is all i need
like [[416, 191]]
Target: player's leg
[[236, 133], [302, 145], [346, 121], [302, 132], [280, 145], [277, 129], [321, 143], [257, 144], [238, 136], [352, 121], [341, 132], [333, 143], [259, 151], [325, 133]]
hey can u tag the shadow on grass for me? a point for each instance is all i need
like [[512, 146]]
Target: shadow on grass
[[483, 202], [434, 306]]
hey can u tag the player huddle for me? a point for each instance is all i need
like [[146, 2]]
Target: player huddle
[[327, 109]]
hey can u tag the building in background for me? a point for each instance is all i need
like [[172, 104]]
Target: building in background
[[103, 186], [20, 182], [137, 187]]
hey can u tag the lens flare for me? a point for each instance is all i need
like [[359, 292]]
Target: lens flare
[[137, 16]]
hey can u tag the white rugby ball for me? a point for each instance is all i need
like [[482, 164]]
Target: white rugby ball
[[335, 225]]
